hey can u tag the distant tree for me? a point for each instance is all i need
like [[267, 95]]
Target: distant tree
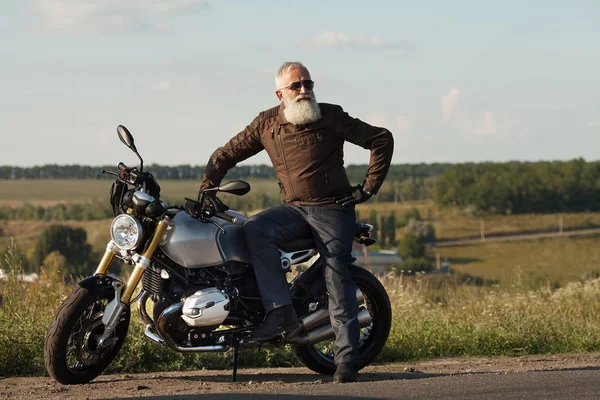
[[411, 247], [373, 221], [422, 230], [69, 242], [391, 228], [383, 232], [411, 213]]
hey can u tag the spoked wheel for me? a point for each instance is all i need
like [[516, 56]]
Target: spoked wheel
[[319, 357], [72, 353]]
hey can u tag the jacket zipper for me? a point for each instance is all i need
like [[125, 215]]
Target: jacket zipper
[[274, 142], [285, 162]]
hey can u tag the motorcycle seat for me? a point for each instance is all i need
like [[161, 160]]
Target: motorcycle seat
[[307, 243]]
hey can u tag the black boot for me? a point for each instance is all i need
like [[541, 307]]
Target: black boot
[[282, 319], [345, 372]]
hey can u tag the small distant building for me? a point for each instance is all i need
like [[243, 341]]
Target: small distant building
[[378, 262]]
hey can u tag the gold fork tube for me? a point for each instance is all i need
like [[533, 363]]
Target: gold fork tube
[[104, 263], [142, 264], [134, 279]]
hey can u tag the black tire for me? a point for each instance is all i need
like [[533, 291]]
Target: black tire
[[319, 357], [70, 354]]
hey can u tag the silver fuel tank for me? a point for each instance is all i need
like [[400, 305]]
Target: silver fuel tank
[[193, 244]]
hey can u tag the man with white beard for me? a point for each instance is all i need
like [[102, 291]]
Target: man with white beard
[[304, 140]]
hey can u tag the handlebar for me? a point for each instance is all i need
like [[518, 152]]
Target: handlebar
[[226, 217], [122, 166]]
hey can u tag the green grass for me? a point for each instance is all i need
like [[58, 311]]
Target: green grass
[[433, 316], [467, 320]]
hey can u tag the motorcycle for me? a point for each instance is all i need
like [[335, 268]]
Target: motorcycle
[[194, 265]]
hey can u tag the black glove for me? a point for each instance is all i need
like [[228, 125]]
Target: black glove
[[213, 203], [358, 195]]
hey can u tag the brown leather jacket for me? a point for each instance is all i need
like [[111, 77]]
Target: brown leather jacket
[[308, 159]]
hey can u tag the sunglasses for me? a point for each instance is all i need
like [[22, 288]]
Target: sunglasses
[[307, 83]]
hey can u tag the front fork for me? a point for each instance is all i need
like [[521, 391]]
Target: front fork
[[123, 296]]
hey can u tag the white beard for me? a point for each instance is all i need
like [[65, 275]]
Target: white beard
[[302, 112]]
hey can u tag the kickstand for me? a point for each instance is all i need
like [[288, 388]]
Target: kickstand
[[236, 347]]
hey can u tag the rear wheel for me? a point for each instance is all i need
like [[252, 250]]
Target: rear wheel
[[319, 357], [71, 351]]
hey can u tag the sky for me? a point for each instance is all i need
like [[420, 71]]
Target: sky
[[454, 81]]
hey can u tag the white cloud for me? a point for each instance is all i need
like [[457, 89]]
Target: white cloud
[[162, 86], [109, 16], [340, 39], [404, 123], [455, 114], [449, 102]]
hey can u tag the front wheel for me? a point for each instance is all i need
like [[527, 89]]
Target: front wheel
[[71, 351], [319, 357]]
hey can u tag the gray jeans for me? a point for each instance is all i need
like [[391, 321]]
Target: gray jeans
[[333, 229]]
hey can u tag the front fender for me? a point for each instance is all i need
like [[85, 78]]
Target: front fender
[[98, 283]]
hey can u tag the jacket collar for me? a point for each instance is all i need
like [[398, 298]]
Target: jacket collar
[[281, 115]]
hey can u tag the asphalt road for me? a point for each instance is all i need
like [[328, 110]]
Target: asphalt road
[[529, 377]]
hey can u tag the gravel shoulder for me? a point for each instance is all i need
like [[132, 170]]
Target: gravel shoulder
[[201, 384]]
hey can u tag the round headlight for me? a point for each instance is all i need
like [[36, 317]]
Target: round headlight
[[126, 232]]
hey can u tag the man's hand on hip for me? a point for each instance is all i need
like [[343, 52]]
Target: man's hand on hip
[[358, 195]]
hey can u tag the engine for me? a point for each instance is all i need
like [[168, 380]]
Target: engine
[[206, 307]]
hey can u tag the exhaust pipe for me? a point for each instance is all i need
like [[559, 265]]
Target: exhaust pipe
[[326, 332], [321, 316]]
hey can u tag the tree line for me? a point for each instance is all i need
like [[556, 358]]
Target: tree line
[[512, 187], [518, 187], [356, 173]]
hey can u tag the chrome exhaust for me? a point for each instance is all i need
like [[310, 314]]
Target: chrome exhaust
[[325, 332], [321, 316]]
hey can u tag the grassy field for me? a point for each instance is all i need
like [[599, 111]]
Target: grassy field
[[526, 264], [451, 224], [47, 192], [447, 222], [556, 261]]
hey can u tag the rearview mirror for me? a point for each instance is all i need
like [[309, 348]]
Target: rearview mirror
[[126, 137], [239, 188]]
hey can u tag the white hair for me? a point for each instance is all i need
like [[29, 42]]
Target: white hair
[[286, 66]]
